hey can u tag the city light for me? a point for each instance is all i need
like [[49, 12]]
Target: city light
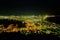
[[32, 24]]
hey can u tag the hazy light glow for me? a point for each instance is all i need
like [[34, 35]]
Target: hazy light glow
[[33, 23]]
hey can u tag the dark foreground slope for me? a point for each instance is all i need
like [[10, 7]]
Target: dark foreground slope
[[18, 36]]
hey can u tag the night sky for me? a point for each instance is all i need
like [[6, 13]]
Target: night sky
[[9, 7]]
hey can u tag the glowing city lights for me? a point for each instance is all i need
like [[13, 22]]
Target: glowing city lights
[[32, 24]]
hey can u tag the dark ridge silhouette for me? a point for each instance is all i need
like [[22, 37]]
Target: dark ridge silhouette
[[6, 22]]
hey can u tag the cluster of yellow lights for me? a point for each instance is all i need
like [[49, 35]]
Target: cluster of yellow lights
[[29, 27], [12, 16]]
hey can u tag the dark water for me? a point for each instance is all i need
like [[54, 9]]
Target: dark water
[[54, 19]]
